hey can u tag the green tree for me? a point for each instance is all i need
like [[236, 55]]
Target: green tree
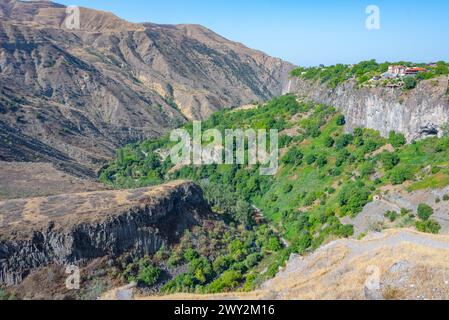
[[428, 226], [321, 161], [293, 156], [353, 197], [400, 174], [389, 160], [274, 244], [329, 142], [344, 141], [227, 281], [121, 156], [409, 83], [424, 211], [310, 158], [397, 140], [190, 255], [148, 273], [341, 121]]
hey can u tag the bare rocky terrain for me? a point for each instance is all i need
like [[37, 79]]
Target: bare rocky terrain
[[72, 97]]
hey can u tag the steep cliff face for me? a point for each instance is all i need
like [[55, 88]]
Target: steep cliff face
[[416, 113], [85, 92], [76, 228]]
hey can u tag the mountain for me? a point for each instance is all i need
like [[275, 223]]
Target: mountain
[[71, 97]]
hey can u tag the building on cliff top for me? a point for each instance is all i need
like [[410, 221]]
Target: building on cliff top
[[395, 71]]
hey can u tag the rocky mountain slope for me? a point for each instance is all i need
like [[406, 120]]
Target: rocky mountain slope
[[417, 113], [74, 96], [78, 228], [398, 264]]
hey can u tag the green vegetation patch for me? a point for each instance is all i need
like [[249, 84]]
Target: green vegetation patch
[[325, 174], [367, 70]]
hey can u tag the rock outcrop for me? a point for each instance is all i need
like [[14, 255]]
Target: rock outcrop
[[80, 94], [76, 228], [417, 113]]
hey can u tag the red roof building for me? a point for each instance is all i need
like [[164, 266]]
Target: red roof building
[[415, 70]]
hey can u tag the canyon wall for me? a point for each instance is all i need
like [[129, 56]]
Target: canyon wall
[[416, 113], [76, 228]]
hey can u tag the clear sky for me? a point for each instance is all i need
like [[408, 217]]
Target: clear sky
[[306, 32]]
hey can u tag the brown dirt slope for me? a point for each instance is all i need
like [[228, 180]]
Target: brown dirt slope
[[29, 180]]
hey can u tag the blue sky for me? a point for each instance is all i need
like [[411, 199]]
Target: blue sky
[[306, 32]]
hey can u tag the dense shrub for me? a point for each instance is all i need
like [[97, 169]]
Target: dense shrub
[[424, 211], [341, 121], [226, 282], [389, 160], [428, 226], [400, 174], [409, 83], [353, 197], [367, 169], [391, 215], [302, 243], [397, 140], [149, 274], [293, 156]]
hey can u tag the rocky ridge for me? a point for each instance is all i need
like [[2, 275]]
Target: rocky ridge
[[77, 228]]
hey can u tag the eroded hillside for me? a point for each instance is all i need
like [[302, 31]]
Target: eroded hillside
[[72, 97]]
